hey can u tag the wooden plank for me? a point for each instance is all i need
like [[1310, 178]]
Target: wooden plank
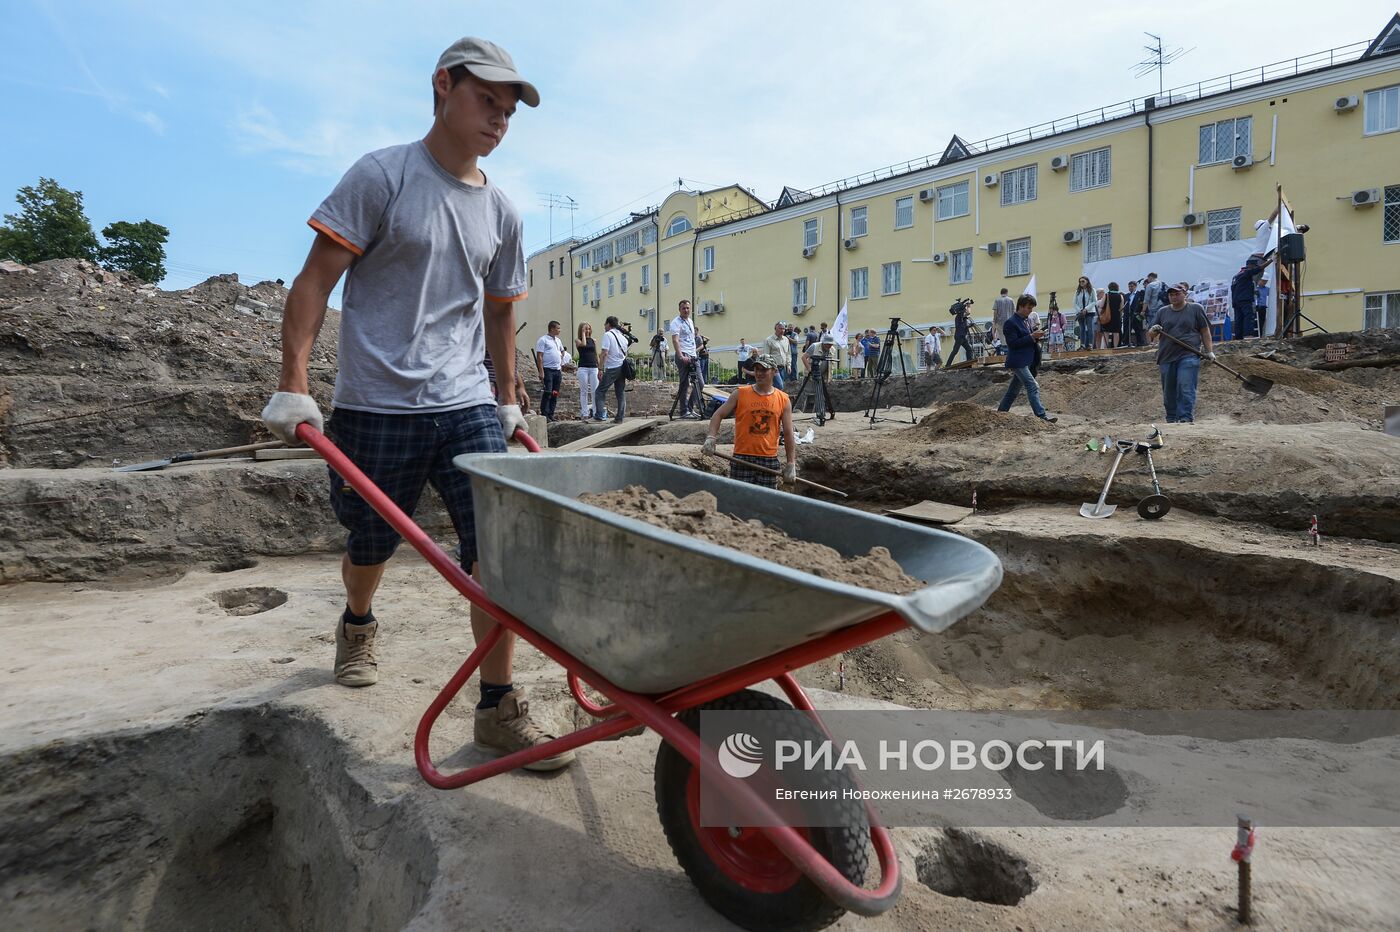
[[626, 429], [929, 512], [287, 453]]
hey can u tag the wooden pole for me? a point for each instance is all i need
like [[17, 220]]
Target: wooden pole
[[778, 473], [1244, 850]]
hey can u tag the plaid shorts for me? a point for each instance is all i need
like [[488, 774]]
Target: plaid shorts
[[753, 476], [401, 453]]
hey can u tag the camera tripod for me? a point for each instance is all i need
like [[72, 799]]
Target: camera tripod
[[1291, 327], [884, 369], [697, 397], [823, 407]]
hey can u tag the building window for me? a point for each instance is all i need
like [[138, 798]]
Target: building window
[[627, 243], [1098, 244], [603, 253], [665, 278], [551, 269], [610, 286], [707, 259], [1090, 169], [585, 294], [1383, 110], [1018, 256], [622, 283], [679, 224], [597, 291], [860, 283], [583, 261], [799, 292], [811, 233], [1223, 226], [1221, 142], [646, 276], [960, 266], [889, 278], [859, 225], [532, 278], [1390, 219], [1382, 310], [952, 201], [903, 213], [648, 235], [1018, 185]]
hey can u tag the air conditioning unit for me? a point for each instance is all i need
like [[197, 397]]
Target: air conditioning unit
[[809, 251], [578, 273], [1071, 236], [704, 276], [644, 289], [994, 249], [939, 258], [927, 194], [1193, 220], [1059, 163], [1240, 162], [607, 263], [1345, 104], [799, 309], [718, 308], [641, 250], [1367, 197], [991, 179], [850, 242], [594, 303], [595, 266], [707, 307]]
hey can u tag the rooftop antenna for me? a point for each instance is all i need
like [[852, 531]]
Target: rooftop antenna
[[1159, 57], [561, 202]]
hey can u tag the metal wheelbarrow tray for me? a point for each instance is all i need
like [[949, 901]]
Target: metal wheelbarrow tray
[[651, 609], [665, 626]]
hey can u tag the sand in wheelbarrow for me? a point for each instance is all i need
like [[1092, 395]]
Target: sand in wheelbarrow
[[697, 515]]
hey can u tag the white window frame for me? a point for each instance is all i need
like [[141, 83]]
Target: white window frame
[[626, 243], [622, 283], [1013, 248], [948, 196], [904, 206], [1384, 102], [1243, 142], [960, 266], [1390, 213], [860, 283], [598, 290], [1098, 243], [707, 259], [646, 276], [611, 284], [1020, 185], [677, 225], [585, 294], [665, 278], [1385, 306], [811, 233], [1221, 220], [891, 279], [860, 221], [799, 292], [1092, 169]]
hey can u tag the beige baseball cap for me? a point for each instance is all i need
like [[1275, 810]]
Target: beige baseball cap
[[489, 62]]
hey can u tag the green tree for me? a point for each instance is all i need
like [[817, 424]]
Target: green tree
[[138, 248], [50, 225]]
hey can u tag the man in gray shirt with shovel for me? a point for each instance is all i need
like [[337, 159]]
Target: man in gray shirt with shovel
[[1181, 365]]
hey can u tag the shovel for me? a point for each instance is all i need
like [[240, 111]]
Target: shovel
[[203, 455], [1254, 383], [1099, 509], [775, 472]]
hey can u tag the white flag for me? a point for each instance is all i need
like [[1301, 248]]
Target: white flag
[[838, 329], [1030, 287]]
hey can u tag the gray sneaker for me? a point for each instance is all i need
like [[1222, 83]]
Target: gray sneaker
[[355, 663], [508, 727]]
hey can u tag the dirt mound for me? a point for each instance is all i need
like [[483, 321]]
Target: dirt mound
[[962, 420]]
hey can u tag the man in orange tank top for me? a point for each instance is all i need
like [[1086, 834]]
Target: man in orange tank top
[[760, 411]]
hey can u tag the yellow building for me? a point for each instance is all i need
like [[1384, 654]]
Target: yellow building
[[550, 285], [1193, 166]]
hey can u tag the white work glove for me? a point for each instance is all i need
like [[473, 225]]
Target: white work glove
[[1155, 328], [1210, 356], [709, 445], [288, 409], [790, 474], [511, 418]]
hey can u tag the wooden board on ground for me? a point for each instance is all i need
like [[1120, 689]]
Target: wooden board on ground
[[288, 453], [626, 429], [715, 391], [931, 513]]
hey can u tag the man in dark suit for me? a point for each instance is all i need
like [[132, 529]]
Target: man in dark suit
[[1134, 317], [1020, 353]]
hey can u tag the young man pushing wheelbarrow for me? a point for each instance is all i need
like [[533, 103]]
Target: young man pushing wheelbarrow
[[433, 260]]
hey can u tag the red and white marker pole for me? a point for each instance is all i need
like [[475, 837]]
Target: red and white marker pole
[[1314, 537], [1244, 850]]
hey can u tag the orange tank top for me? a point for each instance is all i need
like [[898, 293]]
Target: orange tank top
[[758, 419]]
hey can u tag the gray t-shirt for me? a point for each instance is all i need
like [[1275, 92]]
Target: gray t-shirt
[[428, 249], [1002, 308], [1186, 325]]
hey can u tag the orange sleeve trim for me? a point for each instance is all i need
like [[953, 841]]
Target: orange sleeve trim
[[320, 227], [520, 297]]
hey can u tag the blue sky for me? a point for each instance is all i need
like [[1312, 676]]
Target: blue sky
[[228, 123]]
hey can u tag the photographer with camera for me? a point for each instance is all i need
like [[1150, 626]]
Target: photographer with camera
[[962, 320], [613, 353]]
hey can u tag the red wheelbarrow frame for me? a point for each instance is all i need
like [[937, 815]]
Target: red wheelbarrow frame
[[628, 709]]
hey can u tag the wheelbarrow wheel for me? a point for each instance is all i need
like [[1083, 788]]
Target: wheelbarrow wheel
[[738, 871]]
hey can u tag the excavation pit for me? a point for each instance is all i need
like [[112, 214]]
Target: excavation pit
[[964, 864], [236, 819], [252, 600]]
